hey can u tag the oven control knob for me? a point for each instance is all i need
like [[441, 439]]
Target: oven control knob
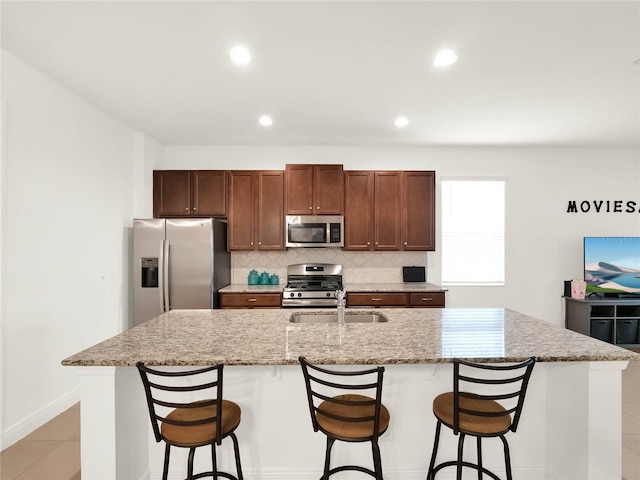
[[328, 294], [299, 294], [292, 294]]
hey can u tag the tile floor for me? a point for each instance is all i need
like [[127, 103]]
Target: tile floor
[[52, 452]]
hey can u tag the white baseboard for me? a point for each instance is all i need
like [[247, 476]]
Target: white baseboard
[[24, 427]]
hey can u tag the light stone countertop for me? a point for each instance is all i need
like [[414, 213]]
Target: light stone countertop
[[349, 287], [393, 287], [244, 288], [411, 336]]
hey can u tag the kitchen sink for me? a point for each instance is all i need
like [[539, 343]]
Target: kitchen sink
[[349, 317]]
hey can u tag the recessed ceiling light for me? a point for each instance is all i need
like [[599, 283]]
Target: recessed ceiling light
[[240, 55], [445, 58], [265, 121], [401, 122]]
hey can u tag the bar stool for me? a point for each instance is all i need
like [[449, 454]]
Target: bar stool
[[200, 421], [476, 411], [350, 416]]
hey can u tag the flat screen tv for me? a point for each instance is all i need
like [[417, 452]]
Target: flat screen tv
[[612, 266]]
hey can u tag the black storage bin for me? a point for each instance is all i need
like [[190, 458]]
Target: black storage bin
[[626, 331], [602, 329]]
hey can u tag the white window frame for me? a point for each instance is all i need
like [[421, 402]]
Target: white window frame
[[489, 233]]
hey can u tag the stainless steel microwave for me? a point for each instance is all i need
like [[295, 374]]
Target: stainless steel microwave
[[314, 231]]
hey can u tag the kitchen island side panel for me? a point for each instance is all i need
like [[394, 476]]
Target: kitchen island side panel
[[562, 433]]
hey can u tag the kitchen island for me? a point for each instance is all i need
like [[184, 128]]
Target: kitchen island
[[570, 429]]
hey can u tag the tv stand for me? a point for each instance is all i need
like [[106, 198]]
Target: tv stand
[[622, 295], [612, 320]]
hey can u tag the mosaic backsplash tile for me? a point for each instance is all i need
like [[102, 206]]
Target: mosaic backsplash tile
[[358, 267]]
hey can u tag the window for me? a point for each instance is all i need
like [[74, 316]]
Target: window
[[473, 232]]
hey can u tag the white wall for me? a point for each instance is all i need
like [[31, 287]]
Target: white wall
[[72, 178], [68, 199], [543, 241]]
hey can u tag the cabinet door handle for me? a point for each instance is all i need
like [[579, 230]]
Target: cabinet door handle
[[252, 300], [186, 209], [405, 243], [310, 208], [195, 208], [376, 299]]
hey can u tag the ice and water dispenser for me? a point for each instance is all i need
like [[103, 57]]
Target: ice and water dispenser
[[149, 272]]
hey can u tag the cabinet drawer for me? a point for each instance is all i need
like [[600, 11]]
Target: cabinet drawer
[[376, 299], [426, 299], [250, 300]]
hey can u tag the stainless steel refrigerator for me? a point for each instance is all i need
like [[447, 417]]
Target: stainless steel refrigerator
[[178, 263]]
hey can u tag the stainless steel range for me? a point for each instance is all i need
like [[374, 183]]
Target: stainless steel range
[[312, 285]]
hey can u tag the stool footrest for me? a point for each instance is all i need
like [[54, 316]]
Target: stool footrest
[[453, 463], [357, 468], [214, 475]]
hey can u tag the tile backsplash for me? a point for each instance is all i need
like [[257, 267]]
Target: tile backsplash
[[358, 267]]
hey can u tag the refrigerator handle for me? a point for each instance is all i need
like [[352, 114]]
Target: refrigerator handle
[[161, 275], [165, 279]]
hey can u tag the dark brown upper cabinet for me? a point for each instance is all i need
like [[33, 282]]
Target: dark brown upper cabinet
[[256, 210], [242, 201], [418, 211], [314, 189], [389, 210], [372, 210], [386, 210], [358, 210], [270, 210], [189, 193]]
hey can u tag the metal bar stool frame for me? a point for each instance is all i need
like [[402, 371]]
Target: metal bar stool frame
[[325, 406], [480, 405], [222, 429]]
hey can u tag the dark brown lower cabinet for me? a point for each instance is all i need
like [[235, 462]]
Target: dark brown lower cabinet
[[250, 300], [396, 299]]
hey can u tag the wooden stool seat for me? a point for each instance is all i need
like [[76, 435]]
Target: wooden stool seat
[[443, 407], [350, 431], [195, 435]]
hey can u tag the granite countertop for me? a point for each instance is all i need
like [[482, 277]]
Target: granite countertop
[[393, 287], [244, 288], [411, 336], [349, 287]]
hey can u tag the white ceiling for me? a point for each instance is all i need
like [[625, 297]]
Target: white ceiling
[[338, 72]]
